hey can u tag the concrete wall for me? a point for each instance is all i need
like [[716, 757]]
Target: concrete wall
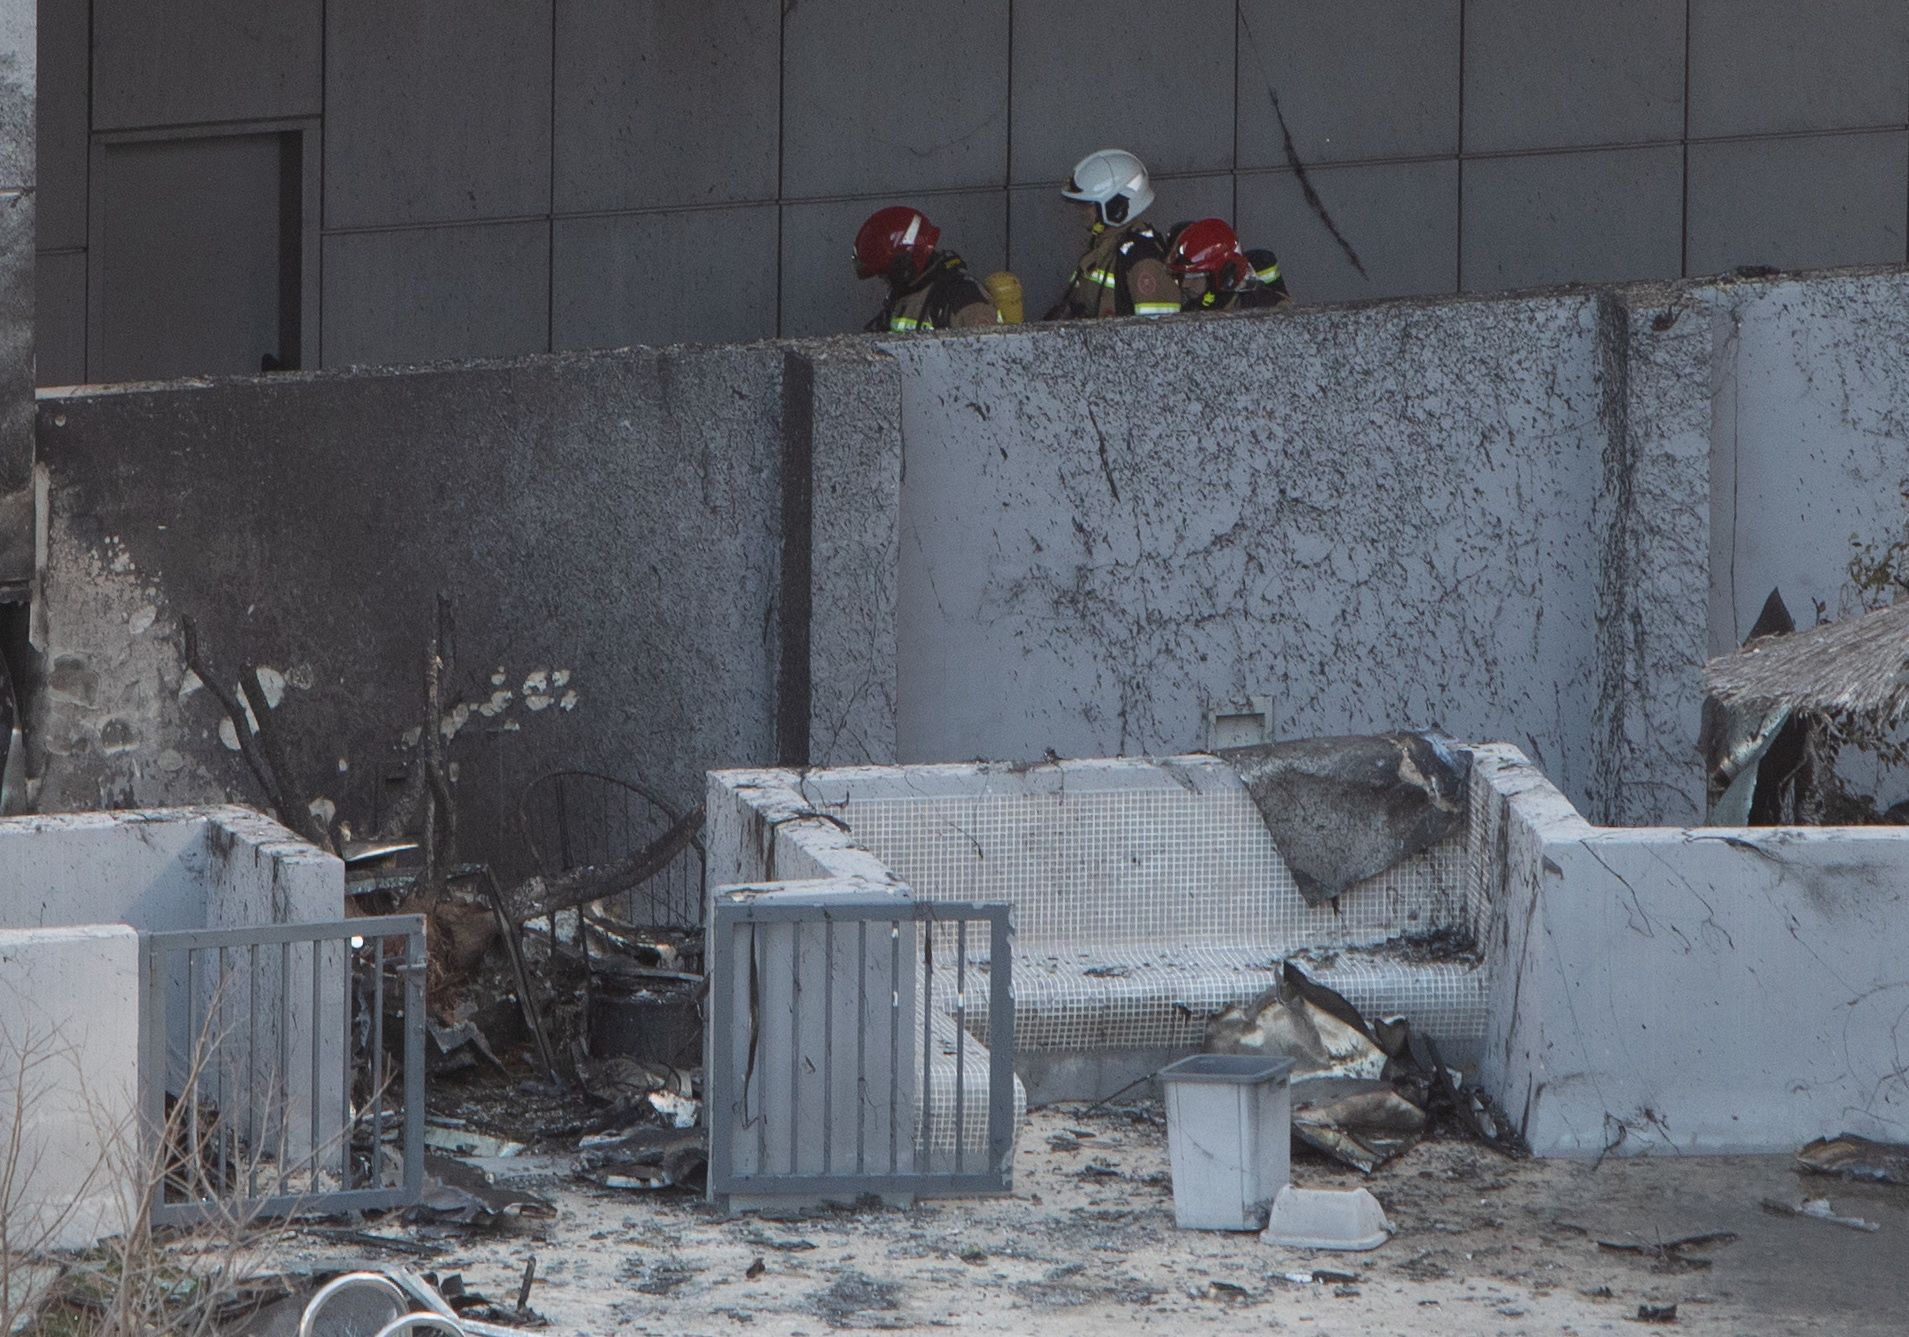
[[163, 869], [76, 892], [1808, 441], [506, 176], [606, 528], [1708, 990], [1513, 517], [69, 1063], [18, 178], [1377, 517]]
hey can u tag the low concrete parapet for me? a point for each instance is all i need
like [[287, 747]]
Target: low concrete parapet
[[1710, 990], [69, 1080]]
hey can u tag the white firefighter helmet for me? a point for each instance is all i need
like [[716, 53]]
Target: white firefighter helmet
[[1114, 182]]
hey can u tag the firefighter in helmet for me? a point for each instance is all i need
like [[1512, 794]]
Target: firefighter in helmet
[[1123, 272], [928, 289], [1215, 275]]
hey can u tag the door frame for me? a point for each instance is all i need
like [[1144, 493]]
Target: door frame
[[305, 128]]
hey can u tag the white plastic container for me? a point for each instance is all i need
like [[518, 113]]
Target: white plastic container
[[1327, 1218], [1229, 1138]]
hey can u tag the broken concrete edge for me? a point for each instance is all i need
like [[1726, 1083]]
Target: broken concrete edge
[[251, 870]]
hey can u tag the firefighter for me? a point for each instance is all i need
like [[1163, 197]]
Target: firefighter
[[1215, 275], [1123, 272], [928, 289]]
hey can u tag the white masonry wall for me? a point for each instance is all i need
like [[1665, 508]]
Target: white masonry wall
[[69, 1067], [76, 893], [1711, 990]]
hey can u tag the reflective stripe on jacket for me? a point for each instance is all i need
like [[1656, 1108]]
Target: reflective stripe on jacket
[[945, 297], [1123, 273]]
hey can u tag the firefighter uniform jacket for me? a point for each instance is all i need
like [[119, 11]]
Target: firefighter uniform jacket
[[945, 297], [1123, 273], [1264, 288]]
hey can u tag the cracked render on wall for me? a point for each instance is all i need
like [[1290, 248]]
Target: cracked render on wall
[[1452, 515], [1501, 517]]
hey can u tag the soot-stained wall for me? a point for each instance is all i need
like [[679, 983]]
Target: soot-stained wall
[[1513, 518], [605, 527], [1403, 515]]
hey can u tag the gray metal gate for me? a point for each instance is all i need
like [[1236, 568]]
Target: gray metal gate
[[253, 1099], [845, 1055]]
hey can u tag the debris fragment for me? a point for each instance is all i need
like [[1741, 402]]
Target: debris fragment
[[1361, 1094], [460, 1194], [1676, 1253], [1818, 1209], [1345, 809], [1363, 1124], [1857, 1158], [1647, 1313], [645, 1158]]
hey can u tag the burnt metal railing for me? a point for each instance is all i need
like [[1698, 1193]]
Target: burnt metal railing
[[266, 1083], [841, 1061]]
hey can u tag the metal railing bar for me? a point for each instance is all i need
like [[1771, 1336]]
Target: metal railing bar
[[257, 1131], [961, 1040], [377, 1060], [1000, 1041], [344, 1091], [895, 1075], [284, 1060], [221, 1114], [312, 1119], [795, 1048], [174, 940], [861, 1051], [927, 996], [195, 1058], [414, 966], [828, 1044]]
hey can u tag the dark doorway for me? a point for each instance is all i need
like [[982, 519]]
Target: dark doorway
[[197, 257]]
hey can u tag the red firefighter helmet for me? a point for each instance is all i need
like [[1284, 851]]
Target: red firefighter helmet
[[1212, 248], [896, 243]]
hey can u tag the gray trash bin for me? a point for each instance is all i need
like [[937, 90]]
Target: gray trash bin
[[1229, 1138]]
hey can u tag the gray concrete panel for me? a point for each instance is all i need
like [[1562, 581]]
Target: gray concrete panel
[[20, 46], [1812, 392], [604, 524], [436, 110], [854, 438], [211, 60], [17, 300], [1653, 589], [1553, 73], [1368, 79], [429, 294], [894, 98], [657, 105], [663, 278], [1274, 505], [1806, 203], [186, 258], [1400, 218], [59, 322], [1572, 218], [1768, 66], [1046, 235], [61, 129], [1122, 74], [820, 293]]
